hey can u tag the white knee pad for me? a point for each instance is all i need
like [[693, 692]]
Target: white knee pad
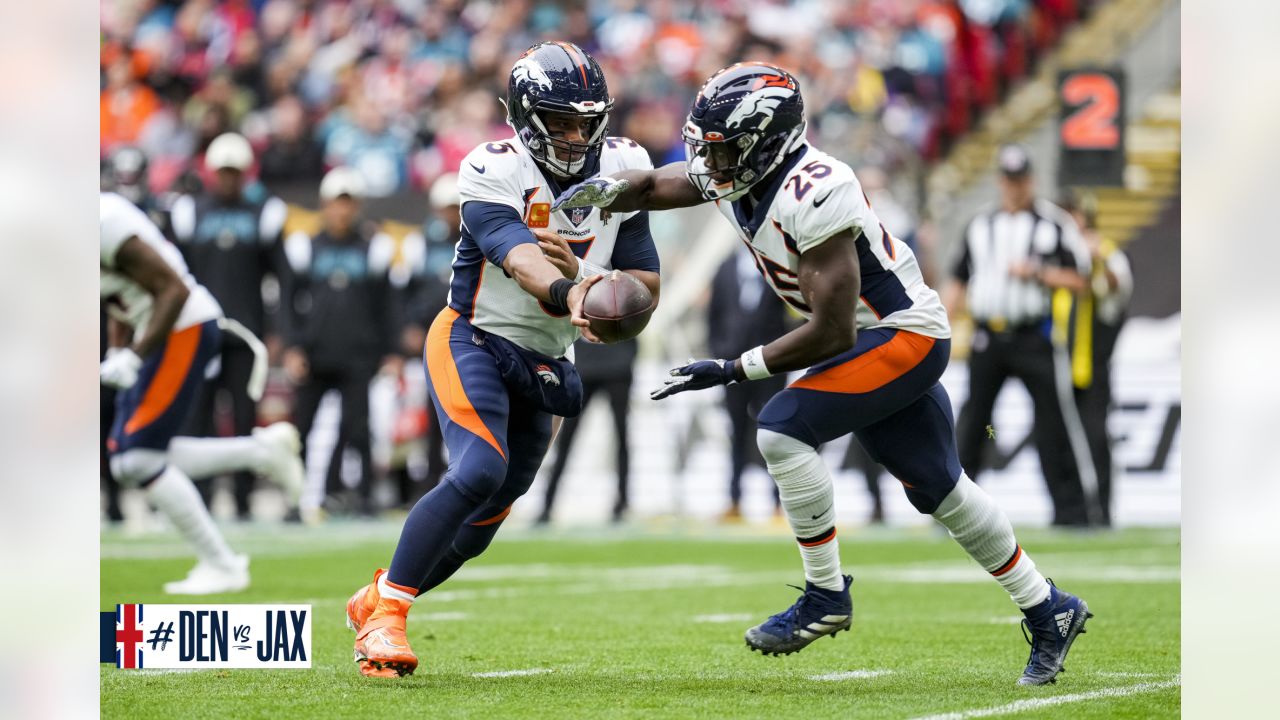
[[134, 467], [804, 485]]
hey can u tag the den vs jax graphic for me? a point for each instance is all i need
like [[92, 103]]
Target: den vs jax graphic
[[206, 636]]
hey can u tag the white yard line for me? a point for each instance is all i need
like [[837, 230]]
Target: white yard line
[[1037, 703], [511, 673], [851, 675]]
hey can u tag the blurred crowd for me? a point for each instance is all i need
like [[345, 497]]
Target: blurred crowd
[[401, 90]]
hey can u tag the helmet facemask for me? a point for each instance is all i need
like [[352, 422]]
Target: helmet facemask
[[562, 157], [725, 168]]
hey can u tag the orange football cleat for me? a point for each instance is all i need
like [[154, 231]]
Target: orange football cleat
[[362, 604], [382, 648]]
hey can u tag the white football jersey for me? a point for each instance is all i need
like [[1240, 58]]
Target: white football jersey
[[813, 198], [126, 300], [504, 173]]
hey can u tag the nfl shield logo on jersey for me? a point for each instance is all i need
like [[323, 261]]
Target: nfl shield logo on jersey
[[578, 214]]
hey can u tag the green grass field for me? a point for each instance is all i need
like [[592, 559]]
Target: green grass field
[[648, 624]]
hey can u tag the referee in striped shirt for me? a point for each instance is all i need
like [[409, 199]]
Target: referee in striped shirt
[[1014, 257]]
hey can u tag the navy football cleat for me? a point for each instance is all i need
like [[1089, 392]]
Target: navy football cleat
[[818, 612], [1050, 628]]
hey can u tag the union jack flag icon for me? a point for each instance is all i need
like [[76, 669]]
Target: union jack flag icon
[[128, 636]]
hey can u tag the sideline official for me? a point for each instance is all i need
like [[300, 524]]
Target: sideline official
[[1013, 257]]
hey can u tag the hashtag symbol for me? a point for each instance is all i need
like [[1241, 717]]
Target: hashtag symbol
[[161, 636]]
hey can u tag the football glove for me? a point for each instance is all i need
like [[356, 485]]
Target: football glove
[[119, 368], [598, 192], [698, 375]]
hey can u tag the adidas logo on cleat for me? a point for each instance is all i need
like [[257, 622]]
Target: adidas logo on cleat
[[1064, 621]]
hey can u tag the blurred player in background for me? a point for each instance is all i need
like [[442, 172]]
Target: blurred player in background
[[231, 238], [495, 356], [163, 333], [875, 343]]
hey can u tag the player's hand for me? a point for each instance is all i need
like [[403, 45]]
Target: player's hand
[[557, 251], [598, 191], [698, 375], [119, 368], [296, 366], [576, 296]]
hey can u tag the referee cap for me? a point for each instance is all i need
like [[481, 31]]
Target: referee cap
[[1014, 161]]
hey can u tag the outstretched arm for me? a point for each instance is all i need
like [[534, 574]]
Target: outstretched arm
[[665, 188]]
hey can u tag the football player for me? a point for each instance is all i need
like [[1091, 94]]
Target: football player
[[874, 345], [496, 355], [164, 330]]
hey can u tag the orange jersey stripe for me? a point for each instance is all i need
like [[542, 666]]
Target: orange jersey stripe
[[496, 518], [447, 383], [873, 369], [179, 353]]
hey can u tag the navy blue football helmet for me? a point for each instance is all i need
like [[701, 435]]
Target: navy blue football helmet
[[746, 119], [559, 77]]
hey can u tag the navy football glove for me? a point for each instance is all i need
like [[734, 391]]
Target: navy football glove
[[698, 375], [598, 191]]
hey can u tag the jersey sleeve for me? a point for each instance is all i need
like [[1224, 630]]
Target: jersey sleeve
[[626, 154], [119, 221], [496, 228], [634, 248], [491, 174], [824, 211]]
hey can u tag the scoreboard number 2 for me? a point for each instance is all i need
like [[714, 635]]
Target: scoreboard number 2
[[1094, 123]]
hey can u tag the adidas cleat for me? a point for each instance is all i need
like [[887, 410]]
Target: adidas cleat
[[818, 612], [1050, 628]]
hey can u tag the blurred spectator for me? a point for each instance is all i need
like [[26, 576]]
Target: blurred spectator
[[1099, 316], [370, 146], [291, 152], [341, 325], [231, 238], [126, 104], [604, 369], [744, 313]]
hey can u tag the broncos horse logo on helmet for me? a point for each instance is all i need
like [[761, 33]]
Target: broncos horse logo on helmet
[[746, 119], [559, 77]]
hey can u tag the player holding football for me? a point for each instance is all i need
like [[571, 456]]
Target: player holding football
[[164, 331], [875, 344], [495, 356]]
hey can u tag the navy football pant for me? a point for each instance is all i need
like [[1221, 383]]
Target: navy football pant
[[884, 390], [496, 443]]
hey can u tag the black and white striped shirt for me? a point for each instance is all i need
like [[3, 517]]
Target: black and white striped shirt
[[995, 240]]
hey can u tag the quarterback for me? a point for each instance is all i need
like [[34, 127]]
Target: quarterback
[[497, 356], [875, 343]]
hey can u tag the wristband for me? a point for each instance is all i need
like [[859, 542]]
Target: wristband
[[753, 364], [560, 294]]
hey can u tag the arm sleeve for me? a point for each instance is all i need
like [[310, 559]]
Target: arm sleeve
[[634, 249], [496, 228]]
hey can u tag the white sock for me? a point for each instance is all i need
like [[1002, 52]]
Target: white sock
[[388, 590], [983, 530], [207, 457], [805, 488], [179, 500]]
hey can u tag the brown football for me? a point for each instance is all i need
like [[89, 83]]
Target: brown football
[[618, 307]]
